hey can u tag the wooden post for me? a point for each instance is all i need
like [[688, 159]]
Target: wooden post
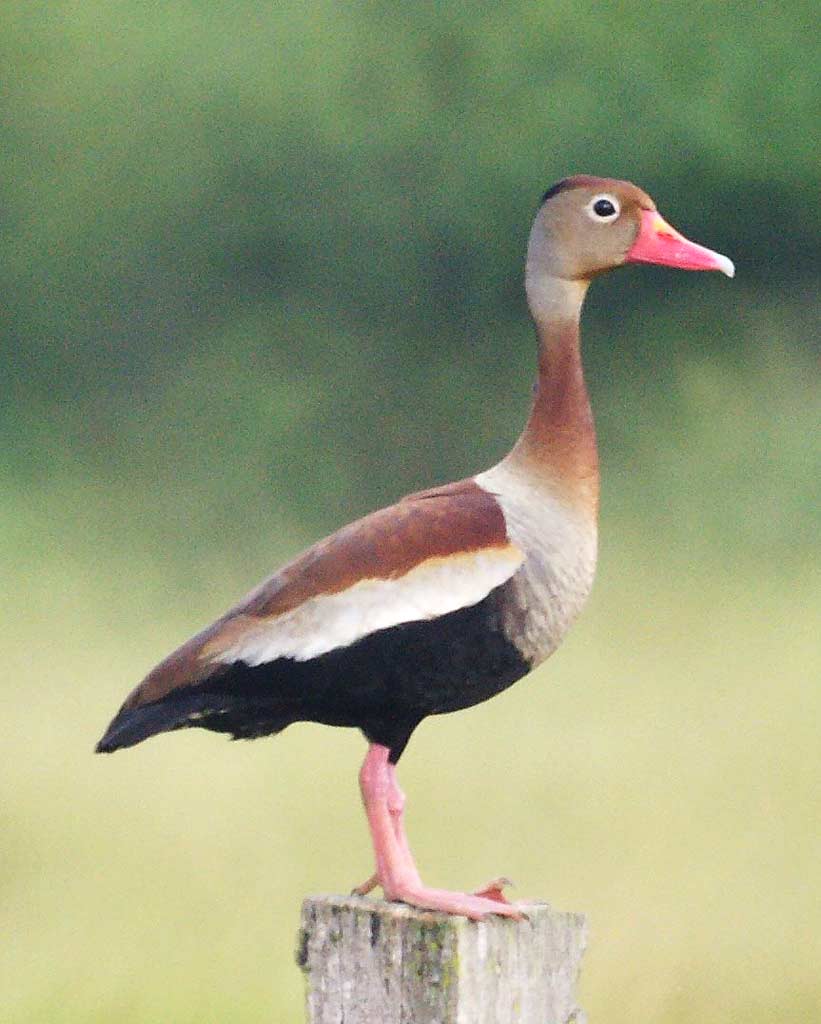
[[371, 962]]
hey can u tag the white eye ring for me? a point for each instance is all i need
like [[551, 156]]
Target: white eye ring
[[606, 213]]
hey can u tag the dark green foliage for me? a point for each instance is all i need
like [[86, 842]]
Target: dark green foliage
[[279, 229]]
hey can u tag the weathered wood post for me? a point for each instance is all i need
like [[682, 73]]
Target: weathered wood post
[[371, 962]]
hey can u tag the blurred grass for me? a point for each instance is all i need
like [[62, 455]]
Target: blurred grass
[[660, 773]]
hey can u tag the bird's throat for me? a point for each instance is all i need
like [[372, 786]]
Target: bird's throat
[[559, 439]]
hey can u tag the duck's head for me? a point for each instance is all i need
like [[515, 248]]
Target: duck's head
[[587, 225]]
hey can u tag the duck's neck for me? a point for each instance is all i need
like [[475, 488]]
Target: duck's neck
[[558, 443]]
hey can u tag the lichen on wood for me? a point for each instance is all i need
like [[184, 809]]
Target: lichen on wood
[[372, 962]]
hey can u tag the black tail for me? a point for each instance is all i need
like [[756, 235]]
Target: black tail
[[244, 716], [133, 725]]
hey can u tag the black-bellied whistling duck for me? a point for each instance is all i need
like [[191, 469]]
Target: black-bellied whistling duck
[[449, 596]]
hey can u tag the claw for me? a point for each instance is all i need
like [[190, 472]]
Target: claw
[[367, 886], [495, 890]]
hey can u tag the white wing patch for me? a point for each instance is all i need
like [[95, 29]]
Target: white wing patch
[[329, 621]]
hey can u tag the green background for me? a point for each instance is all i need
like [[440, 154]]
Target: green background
[[261, 271]]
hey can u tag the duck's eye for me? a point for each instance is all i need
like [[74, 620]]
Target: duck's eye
[[604, 208]]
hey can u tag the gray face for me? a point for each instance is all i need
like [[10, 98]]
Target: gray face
[[585, 226]]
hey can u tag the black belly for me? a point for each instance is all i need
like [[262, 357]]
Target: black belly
[[384, 684]]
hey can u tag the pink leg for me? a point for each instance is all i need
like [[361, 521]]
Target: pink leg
[[395, 868], [494, 890], [396, 806]]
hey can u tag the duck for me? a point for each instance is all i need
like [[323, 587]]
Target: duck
[[447, 597]]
